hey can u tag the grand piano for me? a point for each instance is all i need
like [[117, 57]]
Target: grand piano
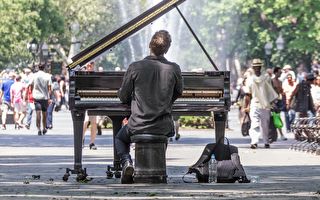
[[205, 93]]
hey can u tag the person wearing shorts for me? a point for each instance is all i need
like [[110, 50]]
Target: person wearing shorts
[[17, 101], [41, 90], [6, 98]]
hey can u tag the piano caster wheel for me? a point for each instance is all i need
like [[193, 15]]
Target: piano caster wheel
[[109, 174], [117, 174], [81, 177], [65, 177]]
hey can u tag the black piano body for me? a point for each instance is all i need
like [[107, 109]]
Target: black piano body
[[205, 93]]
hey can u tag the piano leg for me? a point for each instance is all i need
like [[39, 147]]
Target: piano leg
[[219, 126], [78, 119], [116, 124]]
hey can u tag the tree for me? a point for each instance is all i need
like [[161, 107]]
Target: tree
[[21, 21], [86, 22], [297, 21], [250, 24]]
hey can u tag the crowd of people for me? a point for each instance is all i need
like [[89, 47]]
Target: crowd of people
[[278, 90], [26, 91]]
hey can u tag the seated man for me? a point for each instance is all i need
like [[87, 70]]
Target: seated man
[[151, 86]]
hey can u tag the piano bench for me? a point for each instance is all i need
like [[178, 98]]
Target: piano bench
[[150, 158]]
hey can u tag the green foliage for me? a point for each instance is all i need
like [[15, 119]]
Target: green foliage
[[297, 21], [196, 122], [250, 24], [228, 29], [21, 21], [95, 18]]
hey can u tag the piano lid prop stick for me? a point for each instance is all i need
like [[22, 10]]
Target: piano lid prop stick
[[195, 36]]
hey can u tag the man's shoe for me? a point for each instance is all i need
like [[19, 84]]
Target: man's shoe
[[177, 136], [244, 179], [92, 146], [127, 173], [267, 146], [254, 146]]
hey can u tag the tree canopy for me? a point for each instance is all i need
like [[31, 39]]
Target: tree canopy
[[21, 22], [228, 29]]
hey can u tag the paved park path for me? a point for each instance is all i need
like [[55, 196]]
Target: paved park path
[[278, 173]]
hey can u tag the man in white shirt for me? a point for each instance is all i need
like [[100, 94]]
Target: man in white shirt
[[41, 90], [258, 102]]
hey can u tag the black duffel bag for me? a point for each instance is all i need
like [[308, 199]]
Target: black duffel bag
[[229, 169]]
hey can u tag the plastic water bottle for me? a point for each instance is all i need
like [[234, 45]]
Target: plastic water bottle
[[213, 164]]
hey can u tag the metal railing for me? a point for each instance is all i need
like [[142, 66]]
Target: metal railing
[[307, 134]]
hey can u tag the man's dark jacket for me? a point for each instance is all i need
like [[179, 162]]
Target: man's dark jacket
[[151, 85], [304, 101]]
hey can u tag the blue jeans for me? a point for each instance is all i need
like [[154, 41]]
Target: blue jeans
[[290, 117], [122, 144], [49, 114], [29, 114]]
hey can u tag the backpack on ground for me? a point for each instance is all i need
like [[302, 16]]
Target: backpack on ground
[[229, 169]]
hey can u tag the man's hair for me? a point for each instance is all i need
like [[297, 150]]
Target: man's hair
[[42, 66], [160, 42], [276, 69], [18, 78]]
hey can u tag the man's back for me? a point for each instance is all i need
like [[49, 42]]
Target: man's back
[[41, 82], [155, 83], [6, 89]]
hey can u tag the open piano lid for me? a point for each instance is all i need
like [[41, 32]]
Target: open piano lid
[[123, 32]]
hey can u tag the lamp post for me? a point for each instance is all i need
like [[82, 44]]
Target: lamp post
[[280, 42], [280, 46], [45, 53], [33, 49], [267, 49]]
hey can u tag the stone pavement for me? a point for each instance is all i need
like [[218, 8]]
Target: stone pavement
[[278, 173]]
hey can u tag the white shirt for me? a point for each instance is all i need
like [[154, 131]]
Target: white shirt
[[41, 82], [261, 91]]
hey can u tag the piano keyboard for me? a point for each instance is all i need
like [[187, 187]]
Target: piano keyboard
[[116, 99], [187, 94]]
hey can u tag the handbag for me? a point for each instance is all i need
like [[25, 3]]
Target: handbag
[[272, 134], [293, 103], [245, 124], [229, 168], [276, 119]]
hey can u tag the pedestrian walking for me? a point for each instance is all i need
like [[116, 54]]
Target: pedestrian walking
[[315, 92], [17, 102], [258, 102], [281, 101], [55, 94], [41, 91], [6, 98], [301, 97], [26, 80], [289, 85], [90, 120]]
